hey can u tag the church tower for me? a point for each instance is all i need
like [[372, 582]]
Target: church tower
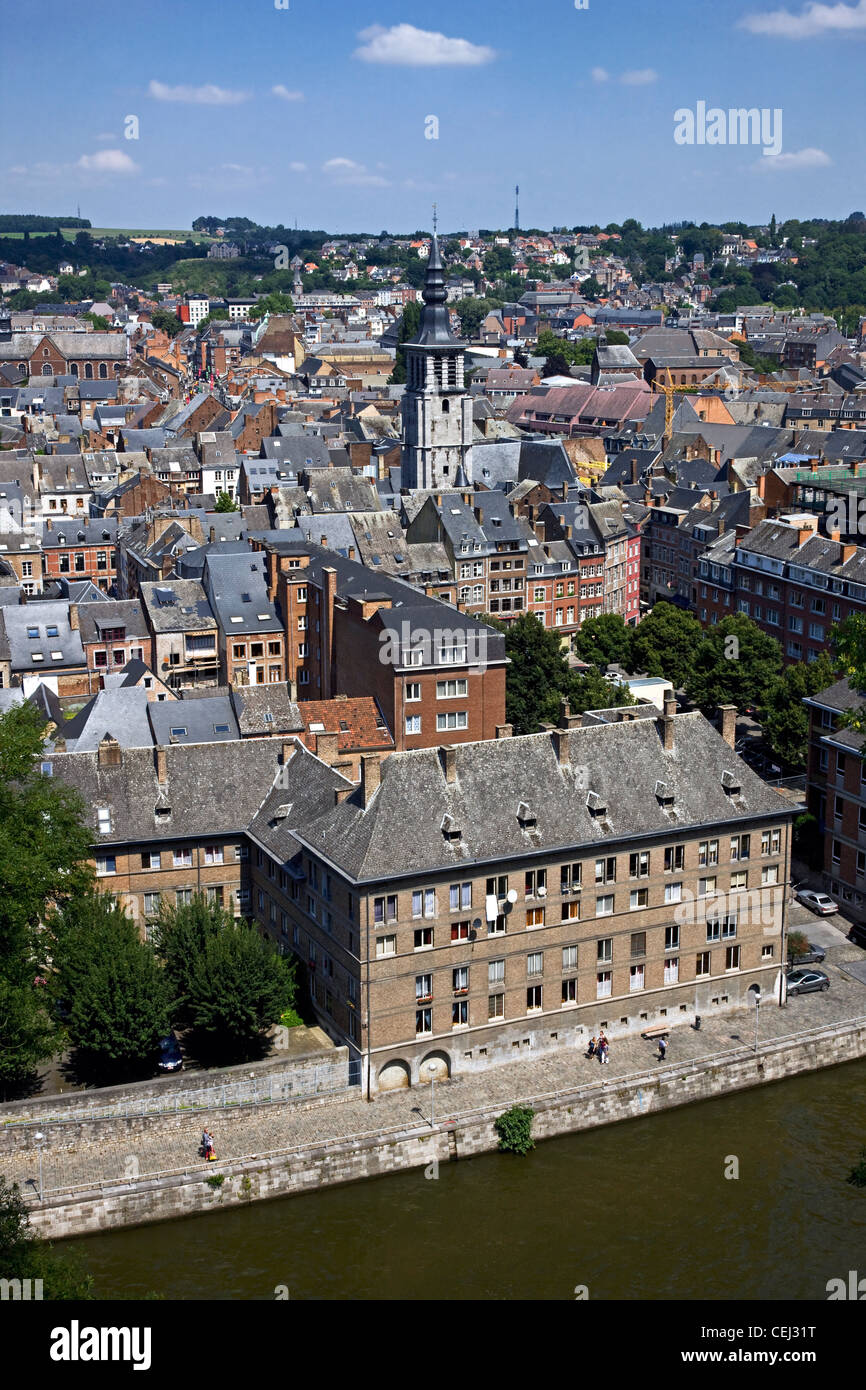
[[436, 410]]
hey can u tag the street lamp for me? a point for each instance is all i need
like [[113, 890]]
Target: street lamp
[[757, 993], [39, 1137], [431, 1068]]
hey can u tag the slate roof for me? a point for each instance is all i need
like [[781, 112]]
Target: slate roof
[[253, 704], [401, 831], [118, 713], [177, 605], [31, 653], [210, 719], [307, 790], [235, 584], [94, 618], [210, 790]]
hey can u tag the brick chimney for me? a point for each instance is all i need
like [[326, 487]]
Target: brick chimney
[[728, 725], [109, 753], [848, 553], [327, 747], [668, 723], [560, 746], [341, 793], [805, 533], [74, 623], [371, 776], [161, 766], [448, 759]]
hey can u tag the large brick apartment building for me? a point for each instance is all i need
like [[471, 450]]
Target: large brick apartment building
[[471, 903], [789, 579], [836, 793], [435, 673]]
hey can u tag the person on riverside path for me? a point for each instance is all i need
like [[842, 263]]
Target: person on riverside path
[[591, 1052], [663, 1047]]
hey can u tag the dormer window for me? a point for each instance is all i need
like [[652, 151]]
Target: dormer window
[[526, 817], [103, 820], [596, 805], [450, 829], [731, 783]]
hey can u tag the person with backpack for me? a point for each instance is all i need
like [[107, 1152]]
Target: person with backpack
[[663, 1047]]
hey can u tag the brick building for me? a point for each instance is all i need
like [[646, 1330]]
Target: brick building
[[468, 904], [836, 794], [80, 549], [432, 670]]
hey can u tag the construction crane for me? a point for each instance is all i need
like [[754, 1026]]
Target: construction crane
[[669, 391]]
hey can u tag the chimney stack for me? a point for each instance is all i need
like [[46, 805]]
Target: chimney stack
[[728, 726], [848, 553], [560, 746], [327, 747], [161, 766], [448, 759], [668, 723], [371, 776], [73, 617]]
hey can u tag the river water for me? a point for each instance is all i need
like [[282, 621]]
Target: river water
[[638, 1210]]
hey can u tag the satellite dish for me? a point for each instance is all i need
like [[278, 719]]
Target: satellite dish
[[476, 925], [512, 895]]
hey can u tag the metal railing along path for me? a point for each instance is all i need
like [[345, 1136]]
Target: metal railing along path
[[669, 1072]]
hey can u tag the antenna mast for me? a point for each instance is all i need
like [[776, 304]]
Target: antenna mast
[[517, 207]]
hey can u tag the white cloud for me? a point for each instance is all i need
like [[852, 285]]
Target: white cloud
[[208, 95], [407, 46], [284, 94], [797, 159], [298, 167], [639, 77], [814, 20], [600, 74], [107, 162], [347, 171]]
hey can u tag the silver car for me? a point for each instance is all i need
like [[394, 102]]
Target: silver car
[[806, 981], [821, 903]]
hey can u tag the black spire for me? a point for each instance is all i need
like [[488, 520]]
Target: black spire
[[435, 330]]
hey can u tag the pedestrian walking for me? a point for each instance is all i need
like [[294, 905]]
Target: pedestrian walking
[[207, 1145], [663, 1047], [603, 1046], [591, 1052]]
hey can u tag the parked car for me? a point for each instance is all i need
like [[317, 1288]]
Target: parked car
[[807, 981], [813, 956], [857, 934], [821, 903], [170, 1055]]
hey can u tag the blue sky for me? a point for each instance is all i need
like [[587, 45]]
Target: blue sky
[[317, 113]]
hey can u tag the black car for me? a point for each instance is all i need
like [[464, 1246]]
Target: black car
[[807, 981], [170, 1055], [857, 934]]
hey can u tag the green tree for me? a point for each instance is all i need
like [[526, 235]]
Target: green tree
[[783, 716], [224, 503], [238, 986], [735, 663], [115, 994], [166, 322], [180, 937], [409, 325], [848, 645], [23, 1255], [539, 678], [591, 288], [605, 641], [44, 849], [514, 1128], [274, 303], [99, 321], [665, 643]]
